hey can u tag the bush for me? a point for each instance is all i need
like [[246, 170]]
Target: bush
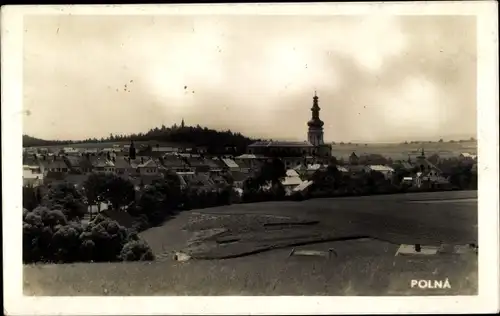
[[136, 250], [297, 196], [67, 198], [141, 223], [49, 237], [66, 243]]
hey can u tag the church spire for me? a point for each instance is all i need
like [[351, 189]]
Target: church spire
[[422, 153], [132, 152], [182, 123], [315, 108], [315, 132]]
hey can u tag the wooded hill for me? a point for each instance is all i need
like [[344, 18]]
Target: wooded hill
[[214, 140]]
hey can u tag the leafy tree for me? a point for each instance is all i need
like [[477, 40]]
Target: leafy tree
[[119, 191], [49, 237], [108, 239], [64, 242], [399, 174], [159, 200], [38, 227], [371, 181], [67, 198], [31, 197], [328, 181], [275, 193], [434, 159], [100, 187], [272, 171], [462, 177]]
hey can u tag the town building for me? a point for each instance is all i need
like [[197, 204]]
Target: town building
[[428, 175], [104, 165], [230, 164], [353, 159], [313, 148], [467, 157], [71, 151], [54, 164], [291, 181], [175, 163], [385, 170], [249, 162], [32, 176], [122, 166], [238, 178], [307, 170], [146, 166]]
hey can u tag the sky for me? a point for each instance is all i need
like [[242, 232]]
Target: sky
[[378, 79]]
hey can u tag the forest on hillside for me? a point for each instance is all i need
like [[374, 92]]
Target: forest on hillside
[[198, 136]]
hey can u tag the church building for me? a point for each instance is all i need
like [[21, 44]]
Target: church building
[[315, 131], [312, 149]]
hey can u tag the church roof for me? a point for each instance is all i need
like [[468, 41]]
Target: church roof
[[281, 144]]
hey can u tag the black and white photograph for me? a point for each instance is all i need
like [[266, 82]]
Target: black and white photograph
[[259, 151]]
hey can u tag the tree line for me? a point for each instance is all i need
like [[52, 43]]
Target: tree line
[[215, 141], [53, 230]]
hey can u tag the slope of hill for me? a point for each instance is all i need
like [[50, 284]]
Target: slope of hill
[[198, 136], [29, 141]]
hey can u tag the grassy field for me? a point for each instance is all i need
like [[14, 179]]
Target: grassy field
[[396, 218], [361, 267], [265, 274]]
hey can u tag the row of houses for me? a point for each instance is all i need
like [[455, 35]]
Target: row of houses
[[120, 150], [41, 168], [207, 172]]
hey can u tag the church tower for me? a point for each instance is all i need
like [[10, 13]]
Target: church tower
[[315, 132], [132, 152]]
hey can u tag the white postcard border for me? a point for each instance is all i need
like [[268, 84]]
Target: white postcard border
[[486, 301]]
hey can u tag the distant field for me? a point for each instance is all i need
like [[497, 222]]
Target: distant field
[[394, 151], [401, 151]]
